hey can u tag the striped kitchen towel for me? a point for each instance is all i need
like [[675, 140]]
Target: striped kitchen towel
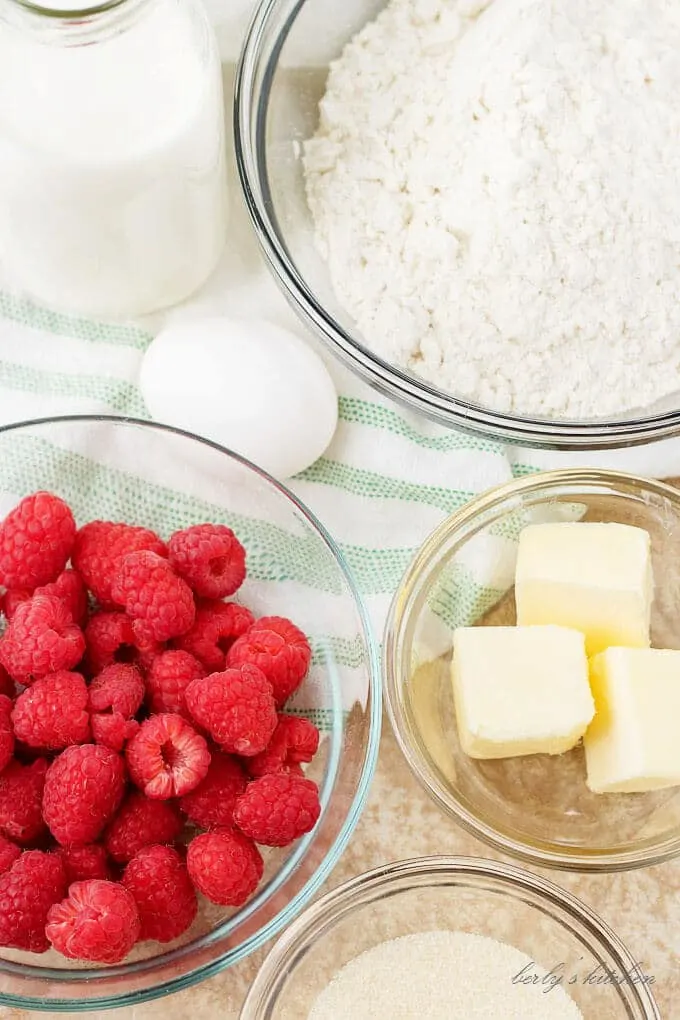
[[386, 481]]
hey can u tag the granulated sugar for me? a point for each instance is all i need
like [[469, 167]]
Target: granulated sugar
[[442, 975]]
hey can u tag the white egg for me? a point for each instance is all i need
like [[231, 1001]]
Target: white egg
[[250, 386]]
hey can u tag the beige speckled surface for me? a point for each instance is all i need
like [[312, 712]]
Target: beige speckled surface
[[399, 822]]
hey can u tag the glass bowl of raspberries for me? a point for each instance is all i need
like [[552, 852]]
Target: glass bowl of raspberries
[[189, 710]]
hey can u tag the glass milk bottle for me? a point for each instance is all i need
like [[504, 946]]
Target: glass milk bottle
[[112, 169]]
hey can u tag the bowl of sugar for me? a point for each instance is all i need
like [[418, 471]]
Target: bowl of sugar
[[448, 938], [531, 668]]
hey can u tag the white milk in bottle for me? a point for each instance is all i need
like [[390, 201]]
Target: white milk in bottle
[[112, 168]]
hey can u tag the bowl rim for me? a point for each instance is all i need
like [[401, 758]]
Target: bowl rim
[[335, 905], [284, 915], [541, 854], [252, 91]]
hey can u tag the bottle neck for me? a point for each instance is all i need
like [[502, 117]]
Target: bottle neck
[[71, 22]]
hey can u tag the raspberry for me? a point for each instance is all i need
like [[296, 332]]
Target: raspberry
[[210, 558], [158, 880], [115, 694], [160, 603], [110, 639], [112, 730], [119, 688], [9, 853], [167, 679], [84, 862], [83, 790], [225, 866], [139, 823], [21, 791], [52, 714], [41, 638], [279, 649], [36, 539], [216, 627], [236, 707], [13, 598], [277, 809], [68, 587], [98, 921], [295, 740], [28, 890], [212, 802], [6, 731], [99, 550], [167, 757]]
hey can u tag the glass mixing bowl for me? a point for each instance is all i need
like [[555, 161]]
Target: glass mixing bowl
[[459, 894], [537, 808], [280, 81], [121, 469]]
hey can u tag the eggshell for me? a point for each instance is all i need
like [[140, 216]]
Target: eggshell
[[251, 386]]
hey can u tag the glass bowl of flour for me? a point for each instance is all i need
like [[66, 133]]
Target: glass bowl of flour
[[474, 205], [447, 938]]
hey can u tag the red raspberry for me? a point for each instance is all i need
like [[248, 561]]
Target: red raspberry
[[110, 639], [68, 587], [84, 862], [9, 853], [167, 757], [279, 649], [167, 679], [12, 599], [118, 688], [295, 740], [216, 627], [6, 731], [139, 823], [115, 695], [99, 550], [236, 707], [28, 890], [21, 791], [52, 714], [83, 790], [36, 539], [225, 866], [112, 730], [277, 809], [212, 802], [210, 558], [98, 921], [158, 880], [7, 685], [41, 638], [160, 603]]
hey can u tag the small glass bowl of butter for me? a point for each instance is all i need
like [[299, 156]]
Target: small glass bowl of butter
[[532, 669]]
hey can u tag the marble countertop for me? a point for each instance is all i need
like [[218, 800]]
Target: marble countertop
[[399, 822]]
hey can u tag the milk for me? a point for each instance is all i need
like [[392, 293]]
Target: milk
[[112, 169]]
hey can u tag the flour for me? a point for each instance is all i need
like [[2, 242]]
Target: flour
[[496, 189]]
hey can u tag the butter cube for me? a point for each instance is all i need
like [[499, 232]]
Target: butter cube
[[596, 578], [633, 744], [520, 690]]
